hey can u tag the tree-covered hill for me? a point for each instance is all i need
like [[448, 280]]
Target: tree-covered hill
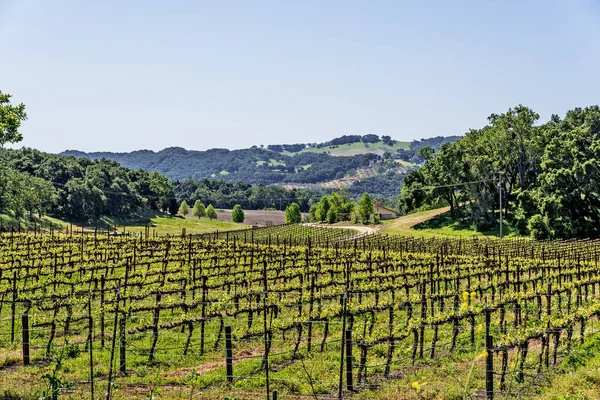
[[547, 174], [278, 164]]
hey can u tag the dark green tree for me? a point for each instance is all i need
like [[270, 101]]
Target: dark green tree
[[184, 209], [292, 214], [10, 120], [322, 208], [237, 215], [366, 207], [199, 209], [211, 213], [332, 215]]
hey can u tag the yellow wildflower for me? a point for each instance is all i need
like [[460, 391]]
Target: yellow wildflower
[[465, 296], [416, 385]]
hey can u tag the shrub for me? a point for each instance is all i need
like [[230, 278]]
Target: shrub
[[332, 215], [293, 214], [237, 215], [211, 213], [184, 209]]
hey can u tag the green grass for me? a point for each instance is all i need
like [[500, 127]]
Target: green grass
[[160, 223], [163, 223], [272, 163], [275, 163], [578, 376], [8, 221], [405, 163], [352, 149], [440, 222], [458, 224]]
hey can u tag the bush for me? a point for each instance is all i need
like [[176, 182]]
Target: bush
[[322, 209], [332, 215], [312, 213], [293, 214], [199, 209], [184, 209], [72, 350], [211, 213], [237, 215], [538, 226]]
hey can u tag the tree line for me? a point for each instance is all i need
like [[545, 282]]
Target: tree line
[[547, 174], [81, 189]]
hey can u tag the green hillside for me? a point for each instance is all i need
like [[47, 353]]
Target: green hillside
[[353, 149], [371, 163]]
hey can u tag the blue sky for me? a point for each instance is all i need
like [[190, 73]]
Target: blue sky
[[127, 75]]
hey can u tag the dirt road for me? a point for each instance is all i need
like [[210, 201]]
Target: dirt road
[[362, 229]]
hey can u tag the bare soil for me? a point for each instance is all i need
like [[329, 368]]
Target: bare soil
[[253, 217]]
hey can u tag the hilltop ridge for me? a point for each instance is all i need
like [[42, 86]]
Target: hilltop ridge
[[367, 163]]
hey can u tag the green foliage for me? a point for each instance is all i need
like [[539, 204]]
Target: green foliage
[[240, 165], [332, 215], [354, 217], [10, 120], [211, 213], [312, 213], [184, 209], [322, 209], [293, 214], [366, 208], [32, 182], [237, 215], [223, 194], [199, 209], [549, 174], [279, 164], [172, 206], [56, 383]]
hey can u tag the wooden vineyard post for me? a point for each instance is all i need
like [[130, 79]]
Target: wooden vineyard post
[[122, 347], [114, 342], [341, 381], [155, 320], [91, 344], [102, 323], [13, 307], [349, 383], [228, 354], [344, 309], [265, 332], [25, 330], [489, 360], [203, 322]]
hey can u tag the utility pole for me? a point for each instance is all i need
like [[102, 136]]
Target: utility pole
[[500, 198]]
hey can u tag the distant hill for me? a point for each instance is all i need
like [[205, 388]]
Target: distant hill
[[347, 161]]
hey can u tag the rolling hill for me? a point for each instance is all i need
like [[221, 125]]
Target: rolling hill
[[359, 163]]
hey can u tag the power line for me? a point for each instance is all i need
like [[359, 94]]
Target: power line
[[449, 185]]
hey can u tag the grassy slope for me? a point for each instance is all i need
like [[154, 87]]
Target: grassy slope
[[164, 224], [8, 221], [437, 222], [353, 149], [160, 223]]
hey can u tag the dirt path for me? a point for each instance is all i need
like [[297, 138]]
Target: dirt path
[[405, 223]]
